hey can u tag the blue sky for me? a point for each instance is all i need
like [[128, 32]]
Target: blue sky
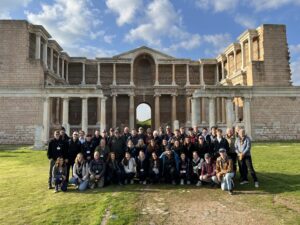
[[184, 28]]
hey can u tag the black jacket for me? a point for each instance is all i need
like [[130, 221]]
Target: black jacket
[[73, 149], [57, 148]]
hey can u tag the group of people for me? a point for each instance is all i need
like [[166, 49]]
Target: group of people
[[193, 156]]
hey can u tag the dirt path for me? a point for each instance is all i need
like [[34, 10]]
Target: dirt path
[[196, 206]]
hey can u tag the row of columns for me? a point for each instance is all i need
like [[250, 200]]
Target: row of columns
[[231, 114], [243, 60], [114, 81], [64, 73]]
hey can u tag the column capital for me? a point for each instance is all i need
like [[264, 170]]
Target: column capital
[[131, 94], [174, 94], [84, 97], [157, 95], [113, 94], [103, 98]]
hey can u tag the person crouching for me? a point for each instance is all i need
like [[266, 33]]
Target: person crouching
[[97, 171], [224, 171], [59, 174], [80, 173], [208, 171], [129, 167]]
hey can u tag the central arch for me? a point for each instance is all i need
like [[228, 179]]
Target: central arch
[[144, 115], [144, 70]]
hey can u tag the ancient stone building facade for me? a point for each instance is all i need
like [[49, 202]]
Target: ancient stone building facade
[[42, 87]]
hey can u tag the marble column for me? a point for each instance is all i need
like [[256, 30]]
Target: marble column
[[234, 61], [219, 111], [98, 74], [38, 46], [65, 116], [83, 74], [114, 74], [195, 111], [57, 65], [247, 116], [131, 111], [223, 70], [67, 72], [202, 74], [217, 74], [242, 55], [236, 109], [98, 111], [157, 111], [62, 68], [131, 74], [203, 110], [46, 120], [188, 109], [103, 113], [114, 110], [229, 113], [173, 74], [212, 112], [156, 74], [223, 108], [174, 108], [51, 59], [250, 49], [57, 111], [84, 115], [45, 55], [187, 75]]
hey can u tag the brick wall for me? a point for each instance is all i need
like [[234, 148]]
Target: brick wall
[[18, 119], [275, 118]]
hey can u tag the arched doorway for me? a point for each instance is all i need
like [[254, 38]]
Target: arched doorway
[[143, 116]]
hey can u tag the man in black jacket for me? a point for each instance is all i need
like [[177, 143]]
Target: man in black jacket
[[117, 145], [56, 148], [220, 142], [74, 147]]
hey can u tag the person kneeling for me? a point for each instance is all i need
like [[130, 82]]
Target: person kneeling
[[97, 171], [129, 166], [208, 170], [80, 173], [59, 174], [224, 171]]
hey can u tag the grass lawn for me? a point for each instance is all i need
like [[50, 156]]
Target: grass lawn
[[25, 199]]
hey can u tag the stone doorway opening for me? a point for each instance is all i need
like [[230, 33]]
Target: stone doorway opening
[[143, 115]]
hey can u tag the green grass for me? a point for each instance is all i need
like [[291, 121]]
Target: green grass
[[145, 124], [24, 198]]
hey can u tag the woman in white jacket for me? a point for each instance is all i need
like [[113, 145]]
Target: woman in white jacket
[[129, 166], [80, 173]]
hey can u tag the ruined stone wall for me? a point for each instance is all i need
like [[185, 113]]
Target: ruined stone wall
[[275, 118]]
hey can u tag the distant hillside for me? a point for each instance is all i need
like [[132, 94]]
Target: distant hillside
[[145, 124]]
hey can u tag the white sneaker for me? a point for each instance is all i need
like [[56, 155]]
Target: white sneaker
[[199, 183], [131, 182], [244, 182], [188, 182], [256, 184], [181, 182], [145, 182]]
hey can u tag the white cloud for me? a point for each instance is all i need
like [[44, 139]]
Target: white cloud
[[125, 9], [90, 51], [261, 5], [161, 20], [7, 6], [218, 43], [245, 21], [217, 5], [295, 67], [295, 49], [71, 22], [109, 38]]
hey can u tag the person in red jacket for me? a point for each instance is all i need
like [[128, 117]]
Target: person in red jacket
[[208, 170]]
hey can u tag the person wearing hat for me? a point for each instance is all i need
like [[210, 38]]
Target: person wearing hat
[[224, 171], [208, 171]]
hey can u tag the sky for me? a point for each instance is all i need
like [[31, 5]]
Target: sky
[[191, 29]]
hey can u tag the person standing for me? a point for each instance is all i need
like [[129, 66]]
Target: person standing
[[56, 149], [243, 149]]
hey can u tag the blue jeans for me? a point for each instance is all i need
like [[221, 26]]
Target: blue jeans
[[227, 182], [81, 186]]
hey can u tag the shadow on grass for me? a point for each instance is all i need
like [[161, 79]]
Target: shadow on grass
[[270, 183]]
